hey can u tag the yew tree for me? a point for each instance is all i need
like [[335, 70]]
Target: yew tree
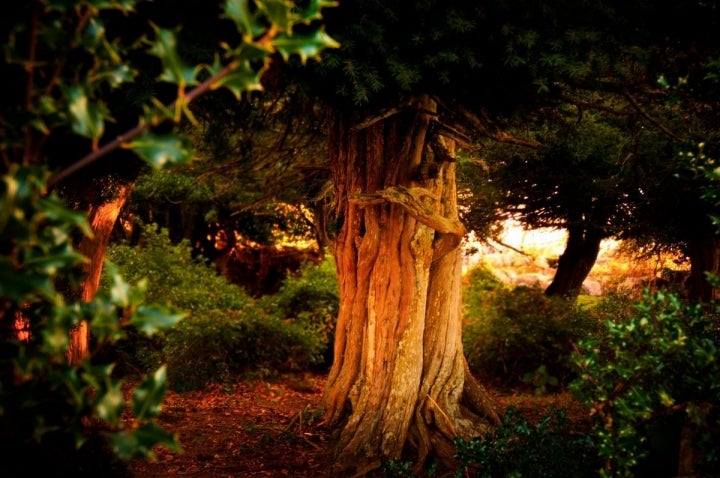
[[413, 84], [400, 387]]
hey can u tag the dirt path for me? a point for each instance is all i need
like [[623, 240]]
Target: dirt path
[[270, 429]]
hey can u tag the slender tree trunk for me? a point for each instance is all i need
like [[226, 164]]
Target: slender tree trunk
[[399, 385], [576, 262], [704, 253], [102, 217]]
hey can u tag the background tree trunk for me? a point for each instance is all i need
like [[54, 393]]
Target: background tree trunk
[[576, 262], [102, 217], [704, 253], [399, 385]]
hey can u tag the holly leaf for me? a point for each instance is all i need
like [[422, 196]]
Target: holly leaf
[[147, 399], [160, 150], [247, 23], [242, 79], [174, 69], [306, 46], [153, 319], [312, 10], [278, 12], [110, 404], [86, 116]]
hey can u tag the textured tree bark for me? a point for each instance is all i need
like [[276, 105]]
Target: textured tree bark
[[102, 217], [399, 386], [576, 262]]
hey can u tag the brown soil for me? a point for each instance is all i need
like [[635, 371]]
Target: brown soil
[[272, 429]]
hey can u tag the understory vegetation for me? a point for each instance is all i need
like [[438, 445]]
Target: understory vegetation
[[646, 368], [226, 334]]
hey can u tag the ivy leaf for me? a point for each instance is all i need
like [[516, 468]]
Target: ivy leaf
[[306, 46], [247, 24], [174, 69], [87, 116], [147, 399], [160, 150], [153, 319]]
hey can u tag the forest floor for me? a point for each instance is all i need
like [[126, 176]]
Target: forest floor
[[272, 428]]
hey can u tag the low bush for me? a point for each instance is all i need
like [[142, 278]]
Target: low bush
[[224, 345], [310, 298], [227, 332], [521, 336], [549, 448], [654, 373]]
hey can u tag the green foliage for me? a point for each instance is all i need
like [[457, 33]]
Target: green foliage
[[46, 404], [521, 335], [548, 448], [310, 298], [77, 66], [222, 345], [228, 333], [659, 363], [174, 276]]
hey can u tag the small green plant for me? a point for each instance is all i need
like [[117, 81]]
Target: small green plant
[[540, 380], [659, 365], [518, 448]]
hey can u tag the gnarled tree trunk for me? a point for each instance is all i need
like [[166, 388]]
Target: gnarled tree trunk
[[399, 386], [576, 262], [102, 217]]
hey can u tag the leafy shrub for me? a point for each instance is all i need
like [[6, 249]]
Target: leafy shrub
[[176, 279], [46, 404], [219, 346], [656, 367], [549, 448], [523, 335], [310, 298]]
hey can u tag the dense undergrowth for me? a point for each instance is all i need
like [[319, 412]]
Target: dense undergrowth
[[647, 368]]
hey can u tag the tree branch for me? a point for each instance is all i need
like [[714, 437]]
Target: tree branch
[[124, 138], [420, 204], [645, 115]]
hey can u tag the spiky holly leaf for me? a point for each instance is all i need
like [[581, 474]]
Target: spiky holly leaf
[[86, 115], [242, 79], [247, 23], [306, 46], [160, 150], [174, 69]]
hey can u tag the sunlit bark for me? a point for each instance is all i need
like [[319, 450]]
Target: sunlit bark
[[102, 217], [399, 386]]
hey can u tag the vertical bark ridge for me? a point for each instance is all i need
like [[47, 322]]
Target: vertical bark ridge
[[399, 385], [102, 219]]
